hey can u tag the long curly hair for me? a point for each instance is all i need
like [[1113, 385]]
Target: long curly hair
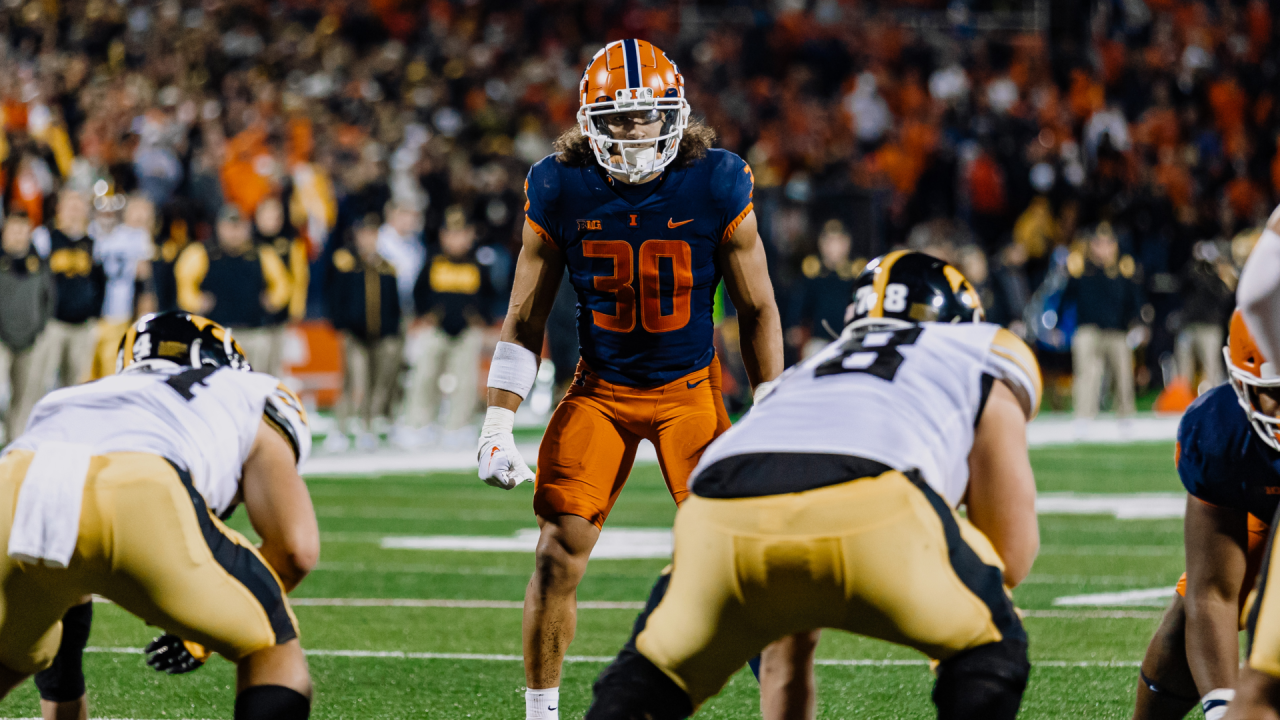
[[575, 148]]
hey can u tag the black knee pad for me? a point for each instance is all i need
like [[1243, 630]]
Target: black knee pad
[[984, 683], [63, 681], [272, 702], [632, 688]]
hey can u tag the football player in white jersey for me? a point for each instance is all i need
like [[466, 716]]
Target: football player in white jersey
[[117, 488], [832, 504]]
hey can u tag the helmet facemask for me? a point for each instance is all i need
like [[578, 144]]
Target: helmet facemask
[[641, 158], [1247, 385]]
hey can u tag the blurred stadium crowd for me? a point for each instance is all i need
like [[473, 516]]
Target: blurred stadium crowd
[[308, 164]]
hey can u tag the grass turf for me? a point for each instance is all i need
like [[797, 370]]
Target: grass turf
[[1081, 554]]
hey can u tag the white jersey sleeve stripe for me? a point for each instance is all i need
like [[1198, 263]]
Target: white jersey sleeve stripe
[[285, 412], [1013, 362]]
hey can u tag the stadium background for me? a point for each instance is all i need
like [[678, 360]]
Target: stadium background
[[997, 134]]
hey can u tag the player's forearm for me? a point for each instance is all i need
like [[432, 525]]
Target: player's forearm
[[503, 399], [761, 336], [524, 329], [1212, 638]]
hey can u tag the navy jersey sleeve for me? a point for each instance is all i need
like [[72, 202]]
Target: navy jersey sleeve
[[542, 195], [731, 186], [1210, 440]]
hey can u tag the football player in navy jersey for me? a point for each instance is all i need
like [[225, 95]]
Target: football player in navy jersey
[[647, 219], [1228, 458]]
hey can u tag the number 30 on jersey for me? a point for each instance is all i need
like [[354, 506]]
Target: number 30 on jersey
[[652, 256]]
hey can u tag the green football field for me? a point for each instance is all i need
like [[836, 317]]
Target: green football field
[[459, 658]]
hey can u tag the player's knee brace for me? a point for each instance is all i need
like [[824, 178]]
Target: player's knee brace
[[63, 681], [985, 683], [272, 702], [632, 688]]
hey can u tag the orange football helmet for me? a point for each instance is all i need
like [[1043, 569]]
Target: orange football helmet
[[1249, 371], [633, 76]]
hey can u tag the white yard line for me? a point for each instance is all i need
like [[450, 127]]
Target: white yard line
[[1044, 431], [1157, 597], [601, 659], [1093, 614], [1122, 506], [636, 605], [1127, 506]]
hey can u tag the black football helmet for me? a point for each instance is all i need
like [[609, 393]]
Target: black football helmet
[[913, 287], [182, 338]]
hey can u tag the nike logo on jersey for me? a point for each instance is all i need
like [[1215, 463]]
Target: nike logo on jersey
[[553, 709], [673, 225], [693, 385]]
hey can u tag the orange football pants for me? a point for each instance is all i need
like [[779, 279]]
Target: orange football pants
[[1258, 533], [590, 443]]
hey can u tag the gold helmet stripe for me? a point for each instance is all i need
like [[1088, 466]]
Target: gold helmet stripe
[[882, 280], [201, 322], [126, 347], [955, 278]]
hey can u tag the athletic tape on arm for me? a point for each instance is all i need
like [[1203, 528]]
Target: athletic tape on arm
[[513, 369]]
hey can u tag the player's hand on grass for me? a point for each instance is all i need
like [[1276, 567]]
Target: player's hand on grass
[[499, 460], [170, 654]]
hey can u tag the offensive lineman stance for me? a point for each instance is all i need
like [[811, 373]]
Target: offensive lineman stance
[[116, 488], [832, 505], [646, 218]]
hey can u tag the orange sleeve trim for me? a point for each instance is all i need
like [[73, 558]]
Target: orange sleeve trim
[[733, 226], [546, 236]]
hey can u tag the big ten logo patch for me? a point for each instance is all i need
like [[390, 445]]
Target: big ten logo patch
[[588, 225]]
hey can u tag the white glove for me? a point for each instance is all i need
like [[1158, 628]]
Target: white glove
[[762, 390], [500, 462], [1214, 703]]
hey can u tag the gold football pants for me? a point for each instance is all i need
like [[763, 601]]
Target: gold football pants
[[149, 543], [883, 557], [1262, 613]]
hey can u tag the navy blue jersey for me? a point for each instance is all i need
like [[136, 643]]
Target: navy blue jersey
[[1221, 459], [645, 270]]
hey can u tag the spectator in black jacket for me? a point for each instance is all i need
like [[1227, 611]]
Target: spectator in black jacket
[[271, 235], [64, 352], [452, 298], [26, 302], [1104, 287], [824, 293], [365, 308], [235, 283]]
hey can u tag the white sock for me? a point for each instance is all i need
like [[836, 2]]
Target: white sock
[[542, 704]]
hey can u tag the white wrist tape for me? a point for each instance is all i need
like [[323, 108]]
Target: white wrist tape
[[1214, 703], [497, 421], [513, 369]]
